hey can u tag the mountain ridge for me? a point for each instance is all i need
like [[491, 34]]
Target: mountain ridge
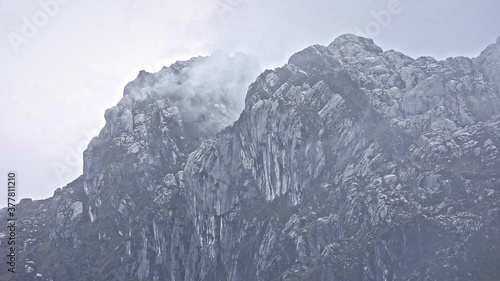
[[347, 163]]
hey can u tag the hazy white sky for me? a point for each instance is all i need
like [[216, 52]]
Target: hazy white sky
[[72, 64]]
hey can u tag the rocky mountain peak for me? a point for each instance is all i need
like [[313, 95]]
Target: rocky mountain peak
[[347, 163], [488, 63], [349, 139], [350, 47], [164, 116]]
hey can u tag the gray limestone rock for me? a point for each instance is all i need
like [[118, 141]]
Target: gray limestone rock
[[347, 163]]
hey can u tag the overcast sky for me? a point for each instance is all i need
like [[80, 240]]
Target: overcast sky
[[59, 70]]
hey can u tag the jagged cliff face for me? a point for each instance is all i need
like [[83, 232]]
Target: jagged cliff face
[[351, 163], [127, 204], [348, 163]]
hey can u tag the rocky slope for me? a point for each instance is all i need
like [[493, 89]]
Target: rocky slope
[[102, 226], [347, 163]]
